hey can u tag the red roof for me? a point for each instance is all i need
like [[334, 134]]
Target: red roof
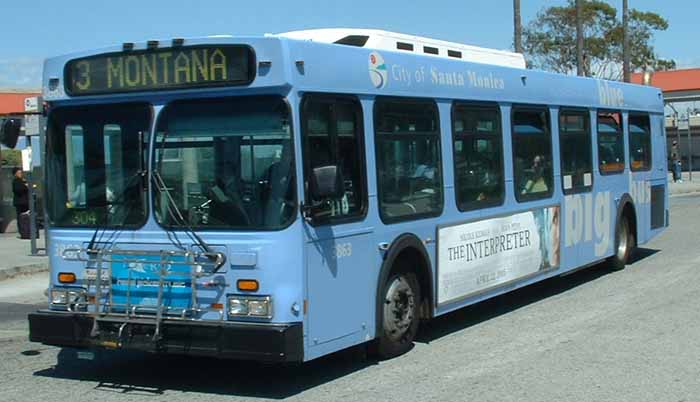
[[13, 102], [674, 80]]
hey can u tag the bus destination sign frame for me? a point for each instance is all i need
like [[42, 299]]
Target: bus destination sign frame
[[161, 69]]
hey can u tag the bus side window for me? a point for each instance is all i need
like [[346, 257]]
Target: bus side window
[[640, 142], [576, 151], [409, 173], [332, 135], [478, 156], [532, 154], [611, 149]]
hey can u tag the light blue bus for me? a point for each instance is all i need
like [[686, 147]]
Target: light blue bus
[[281, 198]]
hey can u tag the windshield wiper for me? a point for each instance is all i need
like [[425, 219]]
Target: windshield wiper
[[141, 172], [176, 215], [116, 201], [172, 204], [175, 212]]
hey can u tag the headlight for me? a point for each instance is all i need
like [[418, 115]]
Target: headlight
[[237, 307], [259, 308], [58, 297], [67, 296], [250, 306]]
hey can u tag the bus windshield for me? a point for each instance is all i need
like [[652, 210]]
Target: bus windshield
[[225, 163], [94, 165]]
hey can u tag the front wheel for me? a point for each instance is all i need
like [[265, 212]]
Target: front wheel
[[624, 244], [400, 315]]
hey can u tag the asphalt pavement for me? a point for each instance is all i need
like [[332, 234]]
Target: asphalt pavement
[[595, 335]]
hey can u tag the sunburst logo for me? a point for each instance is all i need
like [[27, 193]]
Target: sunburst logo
[[377, 70]]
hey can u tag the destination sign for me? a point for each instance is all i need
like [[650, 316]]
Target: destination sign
[[160, 69]]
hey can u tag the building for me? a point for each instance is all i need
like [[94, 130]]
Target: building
[[680, 88], [11, 102]]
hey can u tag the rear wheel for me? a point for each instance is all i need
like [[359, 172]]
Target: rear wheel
[[399, 308], [624, 244]]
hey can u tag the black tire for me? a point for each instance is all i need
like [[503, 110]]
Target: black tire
[[625, 243], [400, 297]]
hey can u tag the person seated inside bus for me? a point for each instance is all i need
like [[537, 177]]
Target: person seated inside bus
[[423, 177], [394, 188], [479, 182], [536, 183], [488, 186], [609, 161], [226, 207], [227, 204], [78, 197], [424, 171]]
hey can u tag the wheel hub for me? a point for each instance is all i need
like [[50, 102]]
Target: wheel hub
[[399, 305]]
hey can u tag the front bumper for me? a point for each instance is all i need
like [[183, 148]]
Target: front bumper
[[262, 342]]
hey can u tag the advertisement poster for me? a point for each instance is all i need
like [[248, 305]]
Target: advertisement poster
[[476, 256]]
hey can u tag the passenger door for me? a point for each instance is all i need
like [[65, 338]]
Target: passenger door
[[337, 240]]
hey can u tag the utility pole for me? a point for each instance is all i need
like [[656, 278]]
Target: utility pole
[[579, 39], [690, 150], [517, 27], [677, 124], [33, 122], [625, 42]]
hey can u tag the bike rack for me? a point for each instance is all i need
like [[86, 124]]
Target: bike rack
[[101, 260]]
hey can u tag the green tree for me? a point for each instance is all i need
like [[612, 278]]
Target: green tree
[[550, 39], [641, 33], [664, 65]]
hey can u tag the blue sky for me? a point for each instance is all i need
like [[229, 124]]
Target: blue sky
[[32, 30]]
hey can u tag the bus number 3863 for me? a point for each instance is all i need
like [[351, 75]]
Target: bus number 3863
[[342, 250]]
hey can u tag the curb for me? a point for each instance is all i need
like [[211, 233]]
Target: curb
[[31, 269], [684, 194]]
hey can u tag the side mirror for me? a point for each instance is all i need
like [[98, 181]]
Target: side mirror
[[326, 182], [9, 132]]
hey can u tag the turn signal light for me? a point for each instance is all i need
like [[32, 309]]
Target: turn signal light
[[66, 277], [248, 285], [217, 306]]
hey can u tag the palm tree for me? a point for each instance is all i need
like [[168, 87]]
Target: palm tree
[[517, 27], [625, 42], [579, 38]]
